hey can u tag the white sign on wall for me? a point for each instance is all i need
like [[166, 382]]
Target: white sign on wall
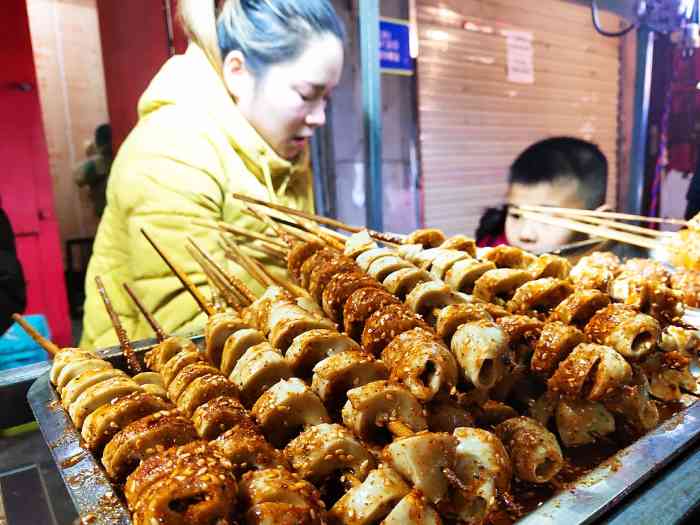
[[520, 54]]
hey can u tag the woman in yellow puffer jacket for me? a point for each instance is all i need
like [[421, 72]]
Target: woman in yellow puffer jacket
[[233, 114]]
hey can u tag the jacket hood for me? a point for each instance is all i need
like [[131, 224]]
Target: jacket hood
[[189, 81]]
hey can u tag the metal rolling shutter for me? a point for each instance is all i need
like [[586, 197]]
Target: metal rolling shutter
[[474, 122]]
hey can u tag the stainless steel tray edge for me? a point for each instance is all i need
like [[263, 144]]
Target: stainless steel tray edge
[[98, 503], [602, 489], [95, 499]]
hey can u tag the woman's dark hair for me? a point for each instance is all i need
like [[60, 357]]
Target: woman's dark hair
[[267, 32], [562, 158]]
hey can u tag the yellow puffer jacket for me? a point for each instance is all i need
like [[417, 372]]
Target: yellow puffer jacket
[[190, 150]]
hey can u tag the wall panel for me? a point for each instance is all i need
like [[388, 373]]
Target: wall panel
[[474, 122], [68, 57]]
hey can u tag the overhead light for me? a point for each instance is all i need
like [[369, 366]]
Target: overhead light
[[437, 34]]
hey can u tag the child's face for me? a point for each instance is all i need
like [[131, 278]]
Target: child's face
[[534, 236]]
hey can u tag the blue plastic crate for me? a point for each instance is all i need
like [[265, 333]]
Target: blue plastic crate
[[17, 348]]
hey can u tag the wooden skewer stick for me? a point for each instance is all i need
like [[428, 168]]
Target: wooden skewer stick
[[251, 265], [306, 231], [244, 296], [230, 228], [246, 293], [623, 226], [184, 279], [283, 233], [155, 325], [299, 213], [230, 296], [124, 342], [297, 229], [599, 231], [247, 264], [270, 252], [399, 429], [342, 238], [574, 246], [602, 214], [241, 286], [51, 348], [385, 237]]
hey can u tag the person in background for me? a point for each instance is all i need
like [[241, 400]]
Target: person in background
[[693, 195], [233, 114], [561, 171], [13, 291], [94, 172]]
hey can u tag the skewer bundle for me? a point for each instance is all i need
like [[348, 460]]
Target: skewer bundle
[[375, 409], [292, 414], [283, 413], [682, 248], [623, 346]]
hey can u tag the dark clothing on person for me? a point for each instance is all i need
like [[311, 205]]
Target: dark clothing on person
[[693, 196], [13, 292], [94, 176], [492, 227]]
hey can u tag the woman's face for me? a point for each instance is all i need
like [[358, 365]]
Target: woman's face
[[535, 236], [288, 102]]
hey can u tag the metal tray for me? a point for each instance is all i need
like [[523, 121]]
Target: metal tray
[[96, 500], [99, 503]]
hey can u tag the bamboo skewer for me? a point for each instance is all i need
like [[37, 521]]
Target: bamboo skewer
[[230, 228], [602, 222], [299, 213], [236, 283], [182, 276], [218, 286], [247, 263], [258, 271], [384, 237], [242, 288], [602, 214], [269, 252], [622, 226], [272, 224], [157, 328], [576, 245], [305, 231], [51, 348], [124, 342], [599, 231], [244, 294]]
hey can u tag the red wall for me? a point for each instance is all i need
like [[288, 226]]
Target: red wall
[[25, 182], [134, 47]]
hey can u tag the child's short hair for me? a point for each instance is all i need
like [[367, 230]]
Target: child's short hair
[[562, 158]]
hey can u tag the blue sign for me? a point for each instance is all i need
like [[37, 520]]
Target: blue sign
[[395, 47]]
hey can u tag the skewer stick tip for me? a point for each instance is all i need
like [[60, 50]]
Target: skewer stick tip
[[51, 348], [182, 276], [124, 342], [150, 318]]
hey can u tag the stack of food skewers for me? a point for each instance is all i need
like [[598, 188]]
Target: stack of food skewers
[[440, 390]]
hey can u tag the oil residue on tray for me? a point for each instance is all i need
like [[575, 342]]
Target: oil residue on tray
[[526, 497], [107, 510]]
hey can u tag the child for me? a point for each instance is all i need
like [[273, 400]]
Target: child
[[562, 171]]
